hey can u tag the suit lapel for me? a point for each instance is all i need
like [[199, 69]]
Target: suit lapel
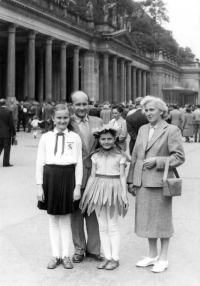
[[92, 124], [158, 132]]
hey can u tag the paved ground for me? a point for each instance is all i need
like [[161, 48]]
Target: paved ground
[[25, 245]]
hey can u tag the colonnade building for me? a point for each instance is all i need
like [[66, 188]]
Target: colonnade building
[[48, 51]]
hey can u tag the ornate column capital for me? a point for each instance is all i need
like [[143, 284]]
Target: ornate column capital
[[12, 28], [64, 45]]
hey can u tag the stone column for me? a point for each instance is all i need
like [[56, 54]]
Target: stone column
[[114, 96], [63, 71], [144, 83], [105, 78], [122, 87], [31, 66], [41, 76], [48, 69], [11, 63], [134, 84], [139, 83], [25, 75], [89, 75], [76, 69], [128, 94]]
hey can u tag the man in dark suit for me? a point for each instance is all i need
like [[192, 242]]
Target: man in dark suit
[[83, 125], [134, 122], [22, 111], [7, 131]]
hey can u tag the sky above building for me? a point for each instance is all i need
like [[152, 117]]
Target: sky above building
[[184, 22], [184, 17]]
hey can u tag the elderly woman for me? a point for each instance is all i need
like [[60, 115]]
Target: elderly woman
[[119, 123], [153, 212]]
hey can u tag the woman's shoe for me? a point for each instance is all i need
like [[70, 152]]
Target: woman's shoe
[[160, 266], [67, 263], [55, 261], [112, 264], [103, 264], [147, 261]]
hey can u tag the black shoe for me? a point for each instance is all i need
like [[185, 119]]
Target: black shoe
[[8, 165], [97, 257], [77, 258]]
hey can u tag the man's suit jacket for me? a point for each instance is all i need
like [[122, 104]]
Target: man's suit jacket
[[176, 117], [165, 142], [134, 122], [94, 122], [7, 128]]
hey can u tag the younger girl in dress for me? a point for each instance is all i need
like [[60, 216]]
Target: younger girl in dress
[[106, 193], [59, 178]]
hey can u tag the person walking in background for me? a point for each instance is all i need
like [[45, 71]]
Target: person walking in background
[[94, 111], [188, 125], [134, 122], [153, 211], [176, 117], [83, 124], [59, 172], [106, 114], [196, 115], [106, 193], [34, 124], [120, 124], [22, 111], [7, 132]]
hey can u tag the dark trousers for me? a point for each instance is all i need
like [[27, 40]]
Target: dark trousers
[[23, 121], [5, 143], [93, 240]]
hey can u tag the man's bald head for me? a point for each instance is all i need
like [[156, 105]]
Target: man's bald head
[[80, 102], [79, 95]]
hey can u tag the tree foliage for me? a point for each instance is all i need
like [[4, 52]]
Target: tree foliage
[[146, 21]]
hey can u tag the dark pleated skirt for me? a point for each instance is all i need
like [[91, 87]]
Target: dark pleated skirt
[[58, 185]]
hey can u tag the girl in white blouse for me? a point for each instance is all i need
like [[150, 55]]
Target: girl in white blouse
[[59, 178], [106, 193]]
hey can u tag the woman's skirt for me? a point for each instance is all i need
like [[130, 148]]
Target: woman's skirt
[[153, 213], [105, 191], [58, 185]]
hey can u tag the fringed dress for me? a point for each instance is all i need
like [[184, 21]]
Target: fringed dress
[[106, 189]]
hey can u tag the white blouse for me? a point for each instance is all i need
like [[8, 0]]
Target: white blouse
[[72, 153]]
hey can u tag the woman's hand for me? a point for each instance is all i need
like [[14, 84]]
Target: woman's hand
[[40, 193], [131, 190], [124, 198], [77, 193], [149, 163]]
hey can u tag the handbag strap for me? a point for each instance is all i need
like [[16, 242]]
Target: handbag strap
[[167, 169]]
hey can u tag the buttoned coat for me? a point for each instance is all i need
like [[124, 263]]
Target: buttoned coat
[[94, 122], [165, 142], [188, 124]]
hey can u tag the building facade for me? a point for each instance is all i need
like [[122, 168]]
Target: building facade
[[47, 52]]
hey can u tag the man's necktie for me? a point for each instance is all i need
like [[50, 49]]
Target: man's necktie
[[63, 143]]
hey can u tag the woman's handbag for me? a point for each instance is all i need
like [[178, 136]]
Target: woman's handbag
[[172, 186]]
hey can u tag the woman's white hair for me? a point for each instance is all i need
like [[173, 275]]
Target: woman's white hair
[[159, 103]]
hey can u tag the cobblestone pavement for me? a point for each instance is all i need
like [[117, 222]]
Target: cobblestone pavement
[[25, 245]]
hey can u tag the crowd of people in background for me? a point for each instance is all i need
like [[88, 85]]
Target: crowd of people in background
[[32, 115]]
